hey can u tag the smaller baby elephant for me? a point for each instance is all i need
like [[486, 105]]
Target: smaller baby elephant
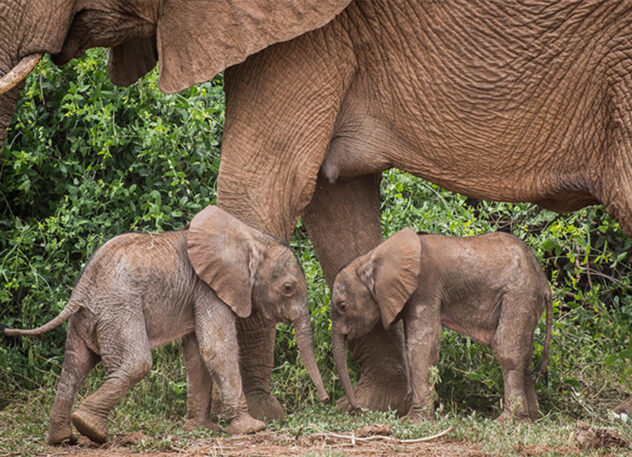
[[142, 290], [489, 287]]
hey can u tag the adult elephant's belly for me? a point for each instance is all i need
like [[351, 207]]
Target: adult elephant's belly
[[522, 113], [508, 156], [539, 181], [505, 150]]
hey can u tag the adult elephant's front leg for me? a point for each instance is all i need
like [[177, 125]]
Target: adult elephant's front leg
[[281, 108], [256, 363], [343, 222], [256, 359]]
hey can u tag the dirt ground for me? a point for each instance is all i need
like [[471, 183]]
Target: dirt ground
[[269, 443], [373, 440]]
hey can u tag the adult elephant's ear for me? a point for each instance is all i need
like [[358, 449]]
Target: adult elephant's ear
[[224, 254], [390, 272], [131, 59], [199, 38]]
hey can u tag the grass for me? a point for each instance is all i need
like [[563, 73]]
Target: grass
[[551, 436], [156, 408]]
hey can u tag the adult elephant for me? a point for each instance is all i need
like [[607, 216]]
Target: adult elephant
[[525, 101]]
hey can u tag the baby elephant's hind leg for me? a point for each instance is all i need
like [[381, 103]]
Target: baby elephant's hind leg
[[512, 346], [532, 398], [126, 356], [78, 361]]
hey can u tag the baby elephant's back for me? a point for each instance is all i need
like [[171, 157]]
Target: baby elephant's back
[[137, 265], [497, 259]]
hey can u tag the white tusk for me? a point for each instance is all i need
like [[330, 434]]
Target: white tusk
[[19, 72]]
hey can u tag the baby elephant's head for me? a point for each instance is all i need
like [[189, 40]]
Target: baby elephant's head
[[279, 289], [371, 288], [250, 270]]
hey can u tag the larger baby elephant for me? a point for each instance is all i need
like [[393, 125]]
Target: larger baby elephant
[[490, 287], [140, 291]]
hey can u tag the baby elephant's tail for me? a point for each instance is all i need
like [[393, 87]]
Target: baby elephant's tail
[[71, 308], [544, 363]]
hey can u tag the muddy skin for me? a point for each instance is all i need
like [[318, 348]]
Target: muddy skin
[[489, 287]]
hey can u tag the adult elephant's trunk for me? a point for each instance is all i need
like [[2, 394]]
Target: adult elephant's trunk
[[305, 342], [340, 360]]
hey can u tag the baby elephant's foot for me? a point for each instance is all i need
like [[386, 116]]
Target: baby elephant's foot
[[90, 425], [194, 424], [60, 435], [417, 415], [245, 424]]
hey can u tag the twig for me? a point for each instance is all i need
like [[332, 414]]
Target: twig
[[429, 438], [41, 90], [603, 275], [578, 267], [354, 438], [300, 429], [582, 404]]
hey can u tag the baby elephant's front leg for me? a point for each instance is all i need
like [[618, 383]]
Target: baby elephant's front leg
[[217, 339], [423, 339], [199, 385]]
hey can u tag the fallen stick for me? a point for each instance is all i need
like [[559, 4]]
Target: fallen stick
[[429, 438], [354, 438]]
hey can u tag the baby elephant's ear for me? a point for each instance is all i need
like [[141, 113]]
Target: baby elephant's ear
[[223, 252], [391, 273]]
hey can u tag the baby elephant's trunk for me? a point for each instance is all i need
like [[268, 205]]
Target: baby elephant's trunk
[[340, 360], [70, 309], [305, 342]]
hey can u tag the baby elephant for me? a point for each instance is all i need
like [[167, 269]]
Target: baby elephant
[[140, 291], [489, 287]]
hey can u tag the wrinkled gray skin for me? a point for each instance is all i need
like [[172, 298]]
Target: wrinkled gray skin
[[489, 287], [511, 101], [140, 291]]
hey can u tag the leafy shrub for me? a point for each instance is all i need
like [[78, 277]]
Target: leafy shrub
[[85, 161]]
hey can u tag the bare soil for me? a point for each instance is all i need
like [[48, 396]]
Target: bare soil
[[374, 440], [268, 443]]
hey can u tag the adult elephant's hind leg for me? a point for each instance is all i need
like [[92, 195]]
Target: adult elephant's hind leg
[[343, 222]]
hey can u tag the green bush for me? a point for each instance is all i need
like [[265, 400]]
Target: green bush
[[86, 160]]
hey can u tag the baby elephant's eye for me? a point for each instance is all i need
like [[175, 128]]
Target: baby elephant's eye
[[342, 306], [288, 288]]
